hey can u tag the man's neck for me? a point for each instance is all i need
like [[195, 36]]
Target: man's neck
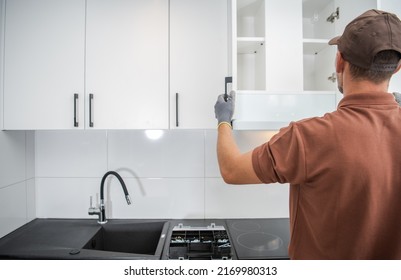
[[353, 86]]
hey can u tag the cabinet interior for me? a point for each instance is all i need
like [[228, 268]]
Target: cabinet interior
[[251, 53]]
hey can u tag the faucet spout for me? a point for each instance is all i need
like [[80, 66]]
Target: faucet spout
[[102, 211], [127, 197]]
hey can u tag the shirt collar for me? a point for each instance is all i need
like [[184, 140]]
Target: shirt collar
[[382, 98]]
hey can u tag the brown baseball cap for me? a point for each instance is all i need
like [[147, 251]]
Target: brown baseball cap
[[368, 34]]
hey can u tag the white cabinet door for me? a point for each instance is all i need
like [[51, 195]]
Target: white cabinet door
[[44, 64], [198, 61], [127, 64]]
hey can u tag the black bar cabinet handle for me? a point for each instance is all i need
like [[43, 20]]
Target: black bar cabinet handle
[[227, 80], [176, 110], [91, 110], [76, 123]]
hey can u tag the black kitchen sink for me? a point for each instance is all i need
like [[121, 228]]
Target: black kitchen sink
[[145, 238]]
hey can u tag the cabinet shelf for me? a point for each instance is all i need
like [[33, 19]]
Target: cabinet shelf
[[250, 47], [315, 46], [250, 39]]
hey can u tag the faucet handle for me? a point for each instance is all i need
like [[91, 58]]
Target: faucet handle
[[92, 210]]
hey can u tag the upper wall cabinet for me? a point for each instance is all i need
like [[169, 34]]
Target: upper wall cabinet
[[283, 67], [323, 20], [266, 45], [127, 64], [119, 52], [198, 60], [44, 64]]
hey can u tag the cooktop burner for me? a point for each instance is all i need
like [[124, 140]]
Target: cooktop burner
[[246, 225], [260, 238], [260, 241]]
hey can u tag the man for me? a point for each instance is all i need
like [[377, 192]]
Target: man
[[344, 168]]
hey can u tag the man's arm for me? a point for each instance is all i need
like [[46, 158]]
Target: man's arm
[[235, 167]]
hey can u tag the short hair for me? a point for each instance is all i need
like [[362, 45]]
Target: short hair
[[378, 72]]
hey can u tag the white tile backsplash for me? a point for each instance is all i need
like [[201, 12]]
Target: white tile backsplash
[[13, 207], [246, 141], [168, 198], [12, 157], [176, 154], [30, 154], [71, 154], [174, 177], [151, 198], [16, 181], [65, 197], [245, 201], [30, 199]]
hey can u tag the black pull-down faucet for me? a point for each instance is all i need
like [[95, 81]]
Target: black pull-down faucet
[[101, 212]]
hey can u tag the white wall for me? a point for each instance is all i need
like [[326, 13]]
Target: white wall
[[17, 170], [175, 176], [17, 182]]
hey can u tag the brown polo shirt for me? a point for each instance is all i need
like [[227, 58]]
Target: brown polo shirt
[[344, 171]]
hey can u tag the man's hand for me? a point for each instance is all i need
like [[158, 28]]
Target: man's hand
[[224, 110]]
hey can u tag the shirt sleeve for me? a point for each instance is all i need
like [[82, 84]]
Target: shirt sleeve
[[282, 159]]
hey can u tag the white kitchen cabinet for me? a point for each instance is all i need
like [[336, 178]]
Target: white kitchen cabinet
[[198, 61], [44, 64], [101, 64], [290, 63], [266, 45], [273, 111], [267, 61], [127, 64], [323, 20]]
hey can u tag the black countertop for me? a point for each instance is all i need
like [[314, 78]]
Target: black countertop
[[66, 238]]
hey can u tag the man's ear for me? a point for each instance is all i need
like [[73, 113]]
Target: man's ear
[[340, 62], [398, 67]]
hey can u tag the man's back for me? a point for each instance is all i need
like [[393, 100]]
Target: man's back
[[348, 204]]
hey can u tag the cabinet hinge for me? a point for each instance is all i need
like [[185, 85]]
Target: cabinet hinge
[[335, 15]]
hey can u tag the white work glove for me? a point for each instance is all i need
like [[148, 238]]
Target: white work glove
[[224, 110]]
